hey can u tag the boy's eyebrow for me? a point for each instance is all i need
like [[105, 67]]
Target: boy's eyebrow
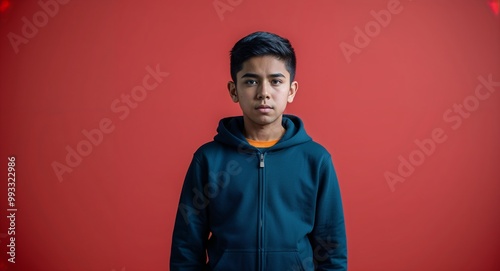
[[253, 75], [277, 75]]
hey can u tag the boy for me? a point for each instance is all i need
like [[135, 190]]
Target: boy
[[262, 195]]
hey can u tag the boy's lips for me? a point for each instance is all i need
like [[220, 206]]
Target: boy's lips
[[264, 108]]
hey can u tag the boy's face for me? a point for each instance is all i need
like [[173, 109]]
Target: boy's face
[[263, 89]]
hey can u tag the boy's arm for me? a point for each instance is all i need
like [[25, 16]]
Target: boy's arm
[[328, 237], [190, 229]]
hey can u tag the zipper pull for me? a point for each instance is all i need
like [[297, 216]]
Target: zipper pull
[[261, 164]]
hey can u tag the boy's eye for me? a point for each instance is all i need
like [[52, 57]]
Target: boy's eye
[[251, 82], [276, 82]]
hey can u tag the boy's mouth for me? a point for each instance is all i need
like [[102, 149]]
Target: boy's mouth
[[264, 108]]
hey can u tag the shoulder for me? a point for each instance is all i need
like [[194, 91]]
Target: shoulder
[[318, 156], [210, 149], [315, 149]]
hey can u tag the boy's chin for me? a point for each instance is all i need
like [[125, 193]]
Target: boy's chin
[[263, 119]]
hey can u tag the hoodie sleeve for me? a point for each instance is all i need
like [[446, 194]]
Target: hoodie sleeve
[[328, 238], [190, 230]]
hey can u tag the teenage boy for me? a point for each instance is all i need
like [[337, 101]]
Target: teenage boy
[[262, 195]]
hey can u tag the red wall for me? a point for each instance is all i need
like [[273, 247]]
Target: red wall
[[368, 91]]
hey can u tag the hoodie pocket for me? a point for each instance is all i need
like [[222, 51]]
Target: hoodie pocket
[[243, 260], [232, 260], [287, 261]]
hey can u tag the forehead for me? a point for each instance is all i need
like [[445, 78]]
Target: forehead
[[264, 65]]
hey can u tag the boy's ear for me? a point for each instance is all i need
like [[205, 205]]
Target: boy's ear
[[294, 86], [231, 87]]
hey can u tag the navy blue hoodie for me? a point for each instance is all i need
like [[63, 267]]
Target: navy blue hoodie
[[244, 208]]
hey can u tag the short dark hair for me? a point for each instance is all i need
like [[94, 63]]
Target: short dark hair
[[262, 44]]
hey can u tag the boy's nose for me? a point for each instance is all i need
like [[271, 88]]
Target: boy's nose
[[263, 92]]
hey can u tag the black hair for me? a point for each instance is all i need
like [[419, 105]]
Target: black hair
[[262, 44]]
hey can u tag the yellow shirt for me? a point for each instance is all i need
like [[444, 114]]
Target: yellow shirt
[[262, 144]]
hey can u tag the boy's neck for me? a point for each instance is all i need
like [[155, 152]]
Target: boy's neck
[[269, 132]]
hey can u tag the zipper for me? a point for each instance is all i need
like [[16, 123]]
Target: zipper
[[261, 210]]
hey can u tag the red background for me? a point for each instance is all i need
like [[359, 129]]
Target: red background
[[115, 210]]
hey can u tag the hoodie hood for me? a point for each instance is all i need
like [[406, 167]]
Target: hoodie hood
[[230, 129]]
